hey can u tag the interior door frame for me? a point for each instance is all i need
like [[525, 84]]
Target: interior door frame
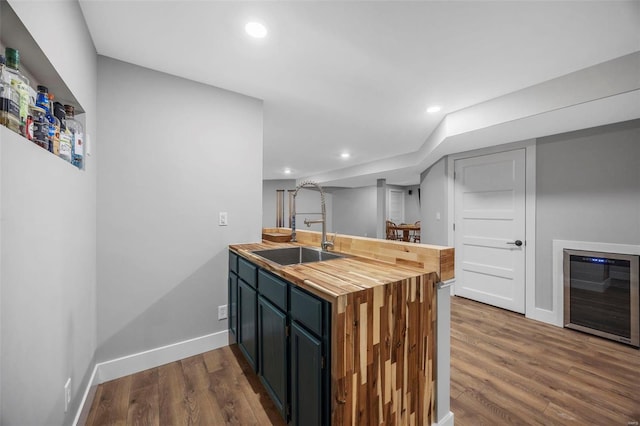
[[530, 215]]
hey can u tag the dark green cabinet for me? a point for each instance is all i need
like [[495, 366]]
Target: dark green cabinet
[[232, 303], [306, 377], [232, 313], [247, 322], [283, 332], [272, 338]]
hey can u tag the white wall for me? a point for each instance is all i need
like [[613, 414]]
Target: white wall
[[48, 245], [588, 189], [433, 184], [173, 154], [354, 211]]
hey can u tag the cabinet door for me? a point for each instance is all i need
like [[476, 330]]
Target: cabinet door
[[247, 323], [272, 337], [233, 305], [306, 378]]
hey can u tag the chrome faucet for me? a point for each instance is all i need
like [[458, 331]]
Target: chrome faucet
[[325, 244]]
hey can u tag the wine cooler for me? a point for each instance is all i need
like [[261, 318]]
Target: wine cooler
[[601, 294]]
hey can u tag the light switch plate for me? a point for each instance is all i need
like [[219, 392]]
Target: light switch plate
[[222, 219]]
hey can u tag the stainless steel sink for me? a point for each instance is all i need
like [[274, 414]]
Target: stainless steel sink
[[295, 255]]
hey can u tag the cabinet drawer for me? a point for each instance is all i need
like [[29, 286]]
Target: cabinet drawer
[[273, 288], [233, 262], [247, 271], [307, 310]]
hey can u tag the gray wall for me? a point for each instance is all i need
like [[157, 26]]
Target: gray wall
[[269, 188], [411, 204], [354, 211], [588, 189], [173, 154], [48, 245], [307, 201], [433, 185]]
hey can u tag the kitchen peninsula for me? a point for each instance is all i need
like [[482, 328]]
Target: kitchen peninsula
[[354, 338]]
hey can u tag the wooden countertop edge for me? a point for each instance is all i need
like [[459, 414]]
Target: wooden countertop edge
[[319, 279]]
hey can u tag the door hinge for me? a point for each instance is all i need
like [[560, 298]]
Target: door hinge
[[286, 330], [454, 226], [322, 362], [454, 175], [288, 410]]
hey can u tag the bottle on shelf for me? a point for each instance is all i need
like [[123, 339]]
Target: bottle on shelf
[[54, 127], [37, 127], [65, 138], [77, 157], [42, 119], [20, 83], [9, 100]]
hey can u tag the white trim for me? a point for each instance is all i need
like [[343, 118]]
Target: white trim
[[89, 393], [130, 364], [530, 309], [558, 282], [443, 352], [530, 215], [445, 421]]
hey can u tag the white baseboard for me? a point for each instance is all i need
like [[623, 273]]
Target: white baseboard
[[130, 364], [89, 393], [447, 420], [544, 315]]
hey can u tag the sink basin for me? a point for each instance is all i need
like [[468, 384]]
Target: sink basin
[[295, 255]]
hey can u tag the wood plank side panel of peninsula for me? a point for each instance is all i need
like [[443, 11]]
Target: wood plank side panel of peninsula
[[383, 354]]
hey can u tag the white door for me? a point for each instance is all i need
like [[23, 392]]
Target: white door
[[490, 229], [395, 208]]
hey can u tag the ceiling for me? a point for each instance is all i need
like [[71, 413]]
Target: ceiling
[[355, 76]]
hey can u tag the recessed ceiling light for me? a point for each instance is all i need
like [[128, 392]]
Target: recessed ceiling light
[[345, 155], [433, 109], [287, 171], [256, 29]]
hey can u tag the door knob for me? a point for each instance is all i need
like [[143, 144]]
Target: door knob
[[516, 243]]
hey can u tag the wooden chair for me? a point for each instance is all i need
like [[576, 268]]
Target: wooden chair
[[392, 232], [415, 235]]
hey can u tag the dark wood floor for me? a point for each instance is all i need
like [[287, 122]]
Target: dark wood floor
[[505, 370]]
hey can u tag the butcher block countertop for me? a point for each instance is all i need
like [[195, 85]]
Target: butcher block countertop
[[368, 263]]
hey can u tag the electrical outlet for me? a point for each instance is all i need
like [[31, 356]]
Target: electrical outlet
[[222, 219], [67, 394], [222, 312]]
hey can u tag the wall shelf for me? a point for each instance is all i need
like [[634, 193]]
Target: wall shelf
[[32, 59]]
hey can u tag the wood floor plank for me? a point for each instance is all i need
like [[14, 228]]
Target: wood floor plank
[[236, 410], [172, 395], [266, 412], [195, 372], [143, 406], [144, 379], [111, 404]]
